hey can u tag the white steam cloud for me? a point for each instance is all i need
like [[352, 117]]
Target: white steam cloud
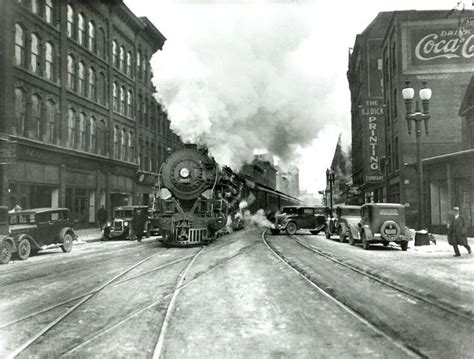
[[248, 79]]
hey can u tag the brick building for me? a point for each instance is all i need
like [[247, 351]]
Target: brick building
[[420, 46], [76, 102]]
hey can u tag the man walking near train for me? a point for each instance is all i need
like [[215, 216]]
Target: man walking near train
[[457, 232]]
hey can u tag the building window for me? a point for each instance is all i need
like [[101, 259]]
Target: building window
[[34, 6], [104, 138], [71, 125], [35, 53], [139, 65], [129, 64], [115, 96], [91, 39], [116, 142], [50, 121], [82, 131], [122, 100], [19, 45], [102, 85], [70, 21], [92, 85], [144, 68], [129, 103], [140, 110], [35, 125], [71, 73], [122, 58], [92, 135], [48, 11], [145, 113], [124, 145], [81, 35], [101, 44], [49, 64], [81, 78], [20, 111], [114, 53], [130, 147]]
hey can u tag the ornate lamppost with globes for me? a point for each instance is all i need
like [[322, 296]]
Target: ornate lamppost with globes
[[418, 116]]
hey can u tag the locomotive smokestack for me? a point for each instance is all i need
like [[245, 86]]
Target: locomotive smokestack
[[191, 146]]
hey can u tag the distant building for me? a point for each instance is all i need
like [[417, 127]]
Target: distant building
[[288, 181], [261, 170], [77, 108], [417, 46]]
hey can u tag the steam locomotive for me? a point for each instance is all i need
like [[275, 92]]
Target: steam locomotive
[[197, 199]]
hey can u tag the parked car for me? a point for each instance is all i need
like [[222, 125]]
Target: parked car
[[7, 245], [120, 226], [344, 224], [293, 218], [383, 223], [33, 229]]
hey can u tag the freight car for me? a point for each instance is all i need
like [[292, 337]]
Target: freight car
[[197, 199]]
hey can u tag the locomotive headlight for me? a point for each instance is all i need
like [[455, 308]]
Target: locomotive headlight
[[184, 172], [125, 223]]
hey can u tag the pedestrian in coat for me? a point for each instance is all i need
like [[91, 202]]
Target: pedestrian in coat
[[457, 232], [102, 217]]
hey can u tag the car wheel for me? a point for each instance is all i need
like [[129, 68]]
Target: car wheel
[[275, 231], [67, 243], [5, 253], [404, 245], [291, 228], [365, 242], [24, 249]]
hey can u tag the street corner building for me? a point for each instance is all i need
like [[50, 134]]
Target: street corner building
[[436, 47], [79, 126]]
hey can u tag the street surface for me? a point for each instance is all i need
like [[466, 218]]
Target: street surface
[[237, 298]]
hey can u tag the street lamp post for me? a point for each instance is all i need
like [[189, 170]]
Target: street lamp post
[[330, 181], [418, 116]]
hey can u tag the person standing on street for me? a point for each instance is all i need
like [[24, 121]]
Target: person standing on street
[[457, 232], [102, 217]]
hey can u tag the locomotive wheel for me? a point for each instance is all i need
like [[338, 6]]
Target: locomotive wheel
[[365, 242], [24, 249], [291, 228]]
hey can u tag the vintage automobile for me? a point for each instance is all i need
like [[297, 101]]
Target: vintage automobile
[[293, 218], [7, 245], [40, 228], [120, 226], [383, 223], [344, 224]]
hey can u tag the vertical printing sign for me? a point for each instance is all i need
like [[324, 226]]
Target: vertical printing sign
[[372, 115]]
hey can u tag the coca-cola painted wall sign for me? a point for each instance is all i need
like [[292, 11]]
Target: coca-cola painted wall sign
[[438, 46]]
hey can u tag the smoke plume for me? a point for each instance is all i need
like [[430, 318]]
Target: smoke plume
[[249, 79]]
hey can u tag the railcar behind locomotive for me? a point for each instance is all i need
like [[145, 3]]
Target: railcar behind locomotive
[[196, 198]]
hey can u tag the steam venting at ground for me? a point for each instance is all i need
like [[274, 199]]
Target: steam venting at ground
[[246, 80]]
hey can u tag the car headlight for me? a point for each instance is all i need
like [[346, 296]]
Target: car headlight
[[125, 223], [109, 224]]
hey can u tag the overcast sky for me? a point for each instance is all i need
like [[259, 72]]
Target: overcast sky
[[245, 75]]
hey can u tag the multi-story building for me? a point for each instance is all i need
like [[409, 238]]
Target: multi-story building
[[367, 111], [418, 46], [77, 107], [288, 181]]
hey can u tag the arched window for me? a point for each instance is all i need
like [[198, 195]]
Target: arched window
[[116, 142], [124, 145], [92, 135], [70, 21], [139, 65], [101, 44], [48, 11], [49, 64], [92, 85], [81, 35], [19, 45], [35, 125], [102, 86], [122, 100], [82, 131], [50, 122], [81, 83], [34, 6], [35, 53], [71, 126], [115, 96], [103, 138], [130, 147], [122, 58], [91, 39], [129, 64], [129, 103], [71, 73], [114, 52], [20, 111]]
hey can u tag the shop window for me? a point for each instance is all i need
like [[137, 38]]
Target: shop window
[[19, 45]]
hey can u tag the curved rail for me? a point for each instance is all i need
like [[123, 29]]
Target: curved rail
[[399, 344], [388, 284]]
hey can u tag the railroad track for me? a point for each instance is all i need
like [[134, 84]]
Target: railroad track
[[409, 351]]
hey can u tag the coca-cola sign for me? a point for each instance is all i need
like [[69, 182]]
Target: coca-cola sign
[[439, 45]]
